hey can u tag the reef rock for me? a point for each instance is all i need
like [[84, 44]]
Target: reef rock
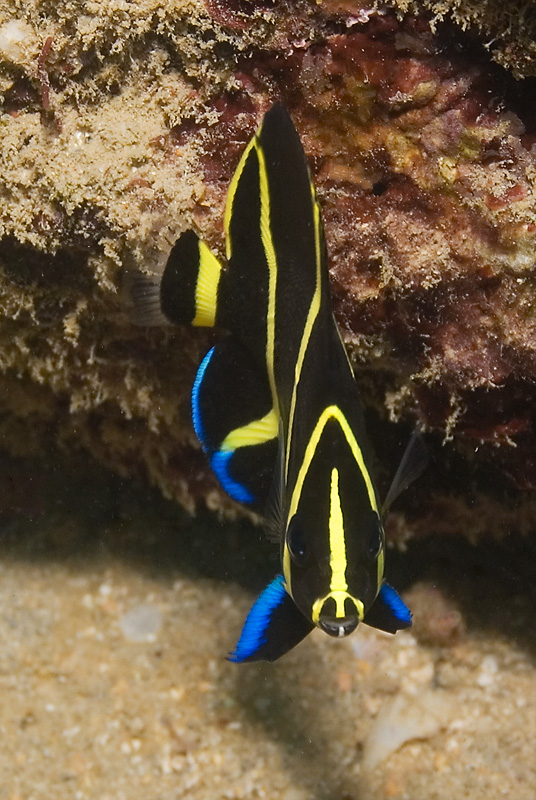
[[121, 127]]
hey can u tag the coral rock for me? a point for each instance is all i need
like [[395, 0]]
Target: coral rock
[[122, 128]]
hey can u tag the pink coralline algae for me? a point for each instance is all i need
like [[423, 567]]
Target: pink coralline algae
[[423, 152], [425, 169]]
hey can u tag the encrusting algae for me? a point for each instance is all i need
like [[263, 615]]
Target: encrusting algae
[[121, 128]]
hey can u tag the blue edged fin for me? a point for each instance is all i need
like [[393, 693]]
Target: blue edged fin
[[273, 626], [235, 422], [197, 413], [222, 466], [389, 612]]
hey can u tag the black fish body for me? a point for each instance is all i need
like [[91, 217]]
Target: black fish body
[[275, 405]]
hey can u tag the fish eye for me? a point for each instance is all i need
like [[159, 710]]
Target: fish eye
[[374, 537], [296, 541]]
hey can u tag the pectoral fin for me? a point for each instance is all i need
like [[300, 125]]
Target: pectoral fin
[[389, 612], [273, 626], [413, 463]]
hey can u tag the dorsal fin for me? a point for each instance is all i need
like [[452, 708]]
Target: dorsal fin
[[235, 422]]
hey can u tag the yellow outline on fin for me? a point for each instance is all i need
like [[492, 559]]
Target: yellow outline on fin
[[256, 432], [206, 288]]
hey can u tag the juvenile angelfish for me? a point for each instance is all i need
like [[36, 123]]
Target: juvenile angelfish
[[275, 404]]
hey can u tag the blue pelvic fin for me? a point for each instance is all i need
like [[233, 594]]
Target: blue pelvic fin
[[273, 626], [389, 612]]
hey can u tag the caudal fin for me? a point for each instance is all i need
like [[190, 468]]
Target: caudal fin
[[188, 291]]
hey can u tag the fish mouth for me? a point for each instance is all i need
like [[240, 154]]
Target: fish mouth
[[338, 627]]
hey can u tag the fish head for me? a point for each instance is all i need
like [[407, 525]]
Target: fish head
[[334, 541]]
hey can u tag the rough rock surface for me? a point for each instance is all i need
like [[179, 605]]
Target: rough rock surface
[[121, 126]]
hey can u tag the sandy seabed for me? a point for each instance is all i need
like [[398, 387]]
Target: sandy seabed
[[117, 612]]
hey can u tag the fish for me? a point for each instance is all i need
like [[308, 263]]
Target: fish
[[275, 404]]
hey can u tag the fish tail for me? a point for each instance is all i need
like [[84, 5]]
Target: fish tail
[[188, 291]]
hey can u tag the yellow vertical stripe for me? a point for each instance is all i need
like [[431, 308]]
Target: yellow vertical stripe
[[230, 198], [337, 545], [206, 289], [286, 569], [331, 412], [309, 322], [380, 567], [255, 432], [271, 260]]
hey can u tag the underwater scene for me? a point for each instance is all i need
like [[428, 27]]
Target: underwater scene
[[267, 400]]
